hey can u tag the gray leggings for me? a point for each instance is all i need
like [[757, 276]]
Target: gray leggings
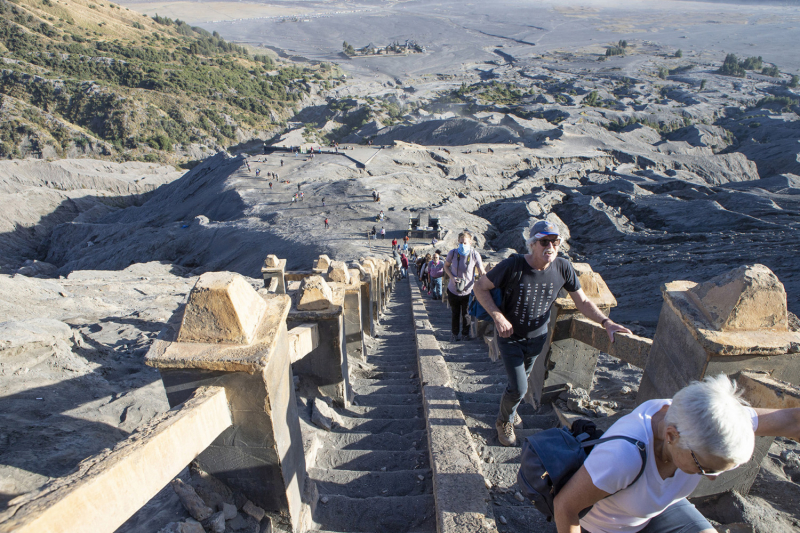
[[680, 517]]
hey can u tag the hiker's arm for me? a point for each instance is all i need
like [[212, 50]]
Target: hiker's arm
[[481, 290], [590, 311], [779, 423], [578, 494]]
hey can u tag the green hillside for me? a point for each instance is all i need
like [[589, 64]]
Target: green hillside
[[80, 77]]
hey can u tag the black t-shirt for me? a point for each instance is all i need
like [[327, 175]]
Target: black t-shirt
[[528, 304]]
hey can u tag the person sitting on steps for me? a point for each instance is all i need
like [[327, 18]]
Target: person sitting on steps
[[534, 281]]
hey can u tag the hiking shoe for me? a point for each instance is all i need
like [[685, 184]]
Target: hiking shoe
[[455, 338], [505, 433], [517, 421]]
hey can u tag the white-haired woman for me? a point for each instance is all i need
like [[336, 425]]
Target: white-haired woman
[[705, 429]]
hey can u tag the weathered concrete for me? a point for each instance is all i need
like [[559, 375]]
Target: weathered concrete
[[563, 359], [274, 268], [222, 308], [629, 348], [303, 339], [354, 338], [262, 453], [733, 322], [761, 391], [462, 499], [326, 365], [315, 294], [322, 264], [109, 488]]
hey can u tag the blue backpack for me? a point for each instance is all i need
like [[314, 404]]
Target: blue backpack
[[549, 459], [475, 309]]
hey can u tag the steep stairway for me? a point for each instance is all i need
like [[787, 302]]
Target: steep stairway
[[479, 382], [373, 474]]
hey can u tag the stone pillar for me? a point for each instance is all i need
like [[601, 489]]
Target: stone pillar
[[564, 360], [349, 280], [322, 265], [375, 288], [274, 268], [231, 336], [326, 366], [366, 301], [735, 321]]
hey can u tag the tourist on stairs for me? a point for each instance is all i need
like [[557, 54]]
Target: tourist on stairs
[[530, 284], [461, 264], [436, 271]]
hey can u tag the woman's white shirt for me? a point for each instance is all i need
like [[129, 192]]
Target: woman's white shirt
[[614, 465]]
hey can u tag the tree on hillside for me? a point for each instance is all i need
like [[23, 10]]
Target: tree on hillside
[[795, 81], [679, 53], [731, 67], [348, 48]]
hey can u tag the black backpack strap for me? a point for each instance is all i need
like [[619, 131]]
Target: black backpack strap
[[639, 446]]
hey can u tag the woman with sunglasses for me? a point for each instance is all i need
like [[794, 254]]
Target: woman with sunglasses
[[706, 429]]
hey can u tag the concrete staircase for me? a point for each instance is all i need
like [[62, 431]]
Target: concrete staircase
[[479, 383], [373, 474]]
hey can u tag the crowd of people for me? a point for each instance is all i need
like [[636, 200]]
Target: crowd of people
[[704, 430]]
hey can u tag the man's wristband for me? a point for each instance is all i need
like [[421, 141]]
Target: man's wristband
[[603, 323]]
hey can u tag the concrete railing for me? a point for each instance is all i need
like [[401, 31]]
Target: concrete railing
[[226, 362]]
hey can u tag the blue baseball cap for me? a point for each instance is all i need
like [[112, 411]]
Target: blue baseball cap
[[543, 228]]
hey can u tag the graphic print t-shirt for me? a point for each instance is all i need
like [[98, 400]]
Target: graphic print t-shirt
[[528, 305]]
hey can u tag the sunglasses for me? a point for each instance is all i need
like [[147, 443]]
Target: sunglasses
[[703, 471], [548, 242]]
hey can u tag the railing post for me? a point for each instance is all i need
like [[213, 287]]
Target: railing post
[[735, 321], [231, 336], [326, 366], [274, 268]]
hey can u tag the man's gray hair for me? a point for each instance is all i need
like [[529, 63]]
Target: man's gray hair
[[711, 418]]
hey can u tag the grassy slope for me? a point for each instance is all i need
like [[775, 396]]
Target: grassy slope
[[91, 77]]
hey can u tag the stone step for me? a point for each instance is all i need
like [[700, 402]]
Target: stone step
[[372, 460], [374, 374], [501, 475], [368, 390], [480, 397], [386, 365], [519, 516], [400, 426], [400, 514], [487, 420], [499, 454], [364, 382], [381, 411], [387, 399], [388, 362], [393, 356], [355, 484], [489, 435], [410, 441], [480, 388], [484, 368]]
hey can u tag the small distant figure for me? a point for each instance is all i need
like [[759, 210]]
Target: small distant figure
[[383, 233], [298, 187], [490, 150], [405, 239], [302, 196], [265, 148], [434, 241], [258, 172], [281, 162], [323, 201], [270, 185], [394, 244], [326, 223], [374, 233]]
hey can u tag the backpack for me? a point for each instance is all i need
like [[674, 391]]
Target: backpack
[[475, 309], [549, 459]]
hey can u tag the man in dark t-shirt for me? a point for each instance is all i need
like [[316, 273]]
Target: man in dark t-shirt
[[530, 284]]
